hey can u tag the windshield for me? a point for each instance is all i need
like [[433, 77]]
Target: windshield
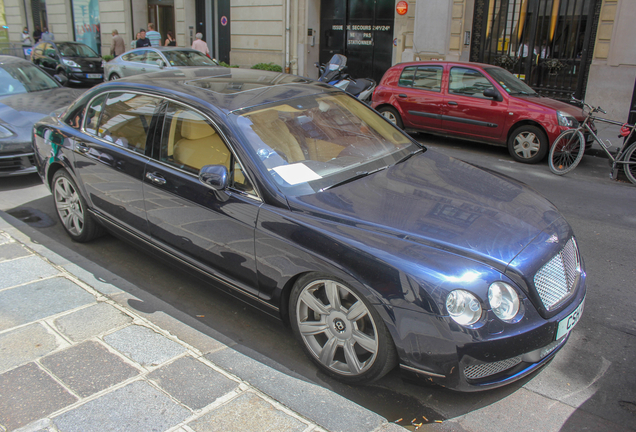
[[24, 78], [75, 50], [188, 58], [509, 82], [312, 143]]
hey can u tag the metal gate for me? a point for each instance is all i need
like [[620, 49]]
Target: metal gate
[[547, 43]]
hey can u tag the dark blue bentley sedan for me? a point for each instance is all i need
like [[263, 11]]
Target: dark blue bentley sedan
[[309, 205]]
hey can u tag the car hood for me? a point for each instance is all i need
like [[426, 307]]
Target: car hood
[[20, 112], [440, 202], [31, 107], [555, 104]]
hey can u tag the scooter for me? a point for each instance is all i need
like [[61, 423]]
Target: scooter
[[333, 73]]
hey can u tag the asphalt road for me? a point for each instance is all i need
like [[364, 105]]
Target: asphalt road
[[595, 374]]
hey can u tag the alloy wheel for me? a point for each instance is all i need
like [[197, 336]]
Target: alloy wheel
[[337, 327], [68, 205]]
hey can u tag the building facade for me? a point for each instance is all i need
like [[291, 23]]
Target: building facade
[[559, 47]]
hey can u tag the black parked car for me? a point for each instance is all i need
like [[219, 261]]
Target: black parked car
[[307, 204], [76, 62], [26, 95]]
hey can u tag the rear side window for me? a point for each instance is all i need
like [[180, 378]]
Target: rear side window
[[135, 56], [93, 113], [428, 78], [152, 57], [467, 82], [126, 120], [406, 77]]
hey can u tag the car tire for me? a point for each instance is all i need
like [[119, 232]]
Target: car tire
[[340, 330], [114, 76], [71, 209], [391, 114], [528, 144]]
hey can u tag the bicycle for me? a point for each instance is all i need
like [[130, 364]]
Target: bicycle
[[567, 150]]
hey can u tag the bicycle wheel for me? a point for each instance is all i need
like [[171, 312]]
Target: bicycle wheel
[[629, 167], [566, 152]]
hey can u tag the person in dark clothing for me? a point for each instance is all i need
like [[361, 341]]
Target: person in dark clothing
[[170, 40], [37, 34], [143, 41]]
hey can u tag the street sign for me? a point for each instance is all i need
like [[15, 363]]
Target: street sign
[[402, 7]]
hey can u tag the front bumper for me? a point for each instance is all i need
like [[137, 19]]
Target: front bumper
[[82, 77], [492, 356], [17, 164]]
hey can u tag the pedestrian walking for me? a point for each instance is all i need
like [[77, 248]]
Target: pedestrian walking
[[142, 40], [117, 46], [153, 35], [47, 35], [199, 44], [170, 40]]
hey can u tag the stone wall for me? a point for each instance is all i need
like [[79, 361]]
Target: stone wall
[[258, 32], [613, 70]]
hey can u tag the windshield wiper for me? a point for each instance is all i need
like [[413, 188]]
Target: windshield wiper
[[358, 175], [408, 156]]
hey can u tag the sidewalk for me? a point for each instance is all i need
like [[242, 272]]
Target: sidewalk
[[74, 356]]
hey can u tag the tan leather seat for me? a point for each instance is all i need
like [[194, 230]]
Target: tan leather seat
[[200, 145], [274, 132]]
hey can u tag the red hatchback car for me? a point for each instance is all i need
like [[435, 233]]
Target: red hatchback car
[[473, 101]]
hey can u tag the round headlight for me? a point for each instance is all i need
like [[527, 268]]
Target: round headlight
[[463, 307], [503, 300]]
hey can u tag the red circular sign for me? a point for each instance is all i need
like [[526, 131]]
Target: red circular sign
[[402, 7]]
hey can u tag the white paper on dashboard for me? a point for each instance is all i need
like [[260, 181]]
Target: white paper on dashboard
[[296, 173]]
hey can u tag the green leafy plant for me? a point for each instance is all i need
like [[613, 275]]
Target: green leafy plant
[[227, 65], [268, 67], [107, 57]]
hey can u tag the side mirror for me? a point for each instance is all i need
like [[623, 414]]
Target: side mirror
[[62, 79], [492, 93], [214, 176], [161, 64]]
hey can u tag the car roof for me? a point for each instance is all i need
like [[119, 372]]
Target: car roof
[[169, 48], [227, 89], [7, 59], [445, 62]]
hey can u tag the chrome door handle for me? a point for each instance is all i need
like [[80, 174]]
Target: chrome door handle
[[452, 103], [156, 179], [82, 148]]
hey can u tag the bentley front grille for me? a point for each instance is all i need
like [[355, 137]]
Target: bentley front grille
[[555, 280]]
